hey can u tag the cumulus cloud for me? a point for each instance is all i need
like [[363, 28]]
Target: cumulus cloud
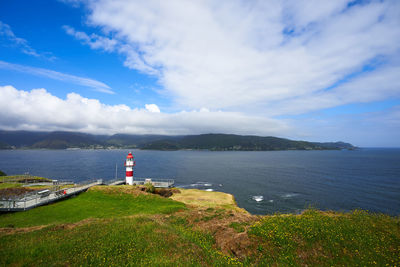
[[40, 110], [245, 54], [55, 75], [152, 108]]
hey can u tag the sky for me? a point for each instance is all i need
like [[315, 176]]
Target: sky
[[305, 70]]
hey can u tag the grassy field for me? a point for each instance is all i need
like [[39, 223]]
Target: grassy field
[[120, 226], [96, 203], [9, 185], [200, 198], [116, 242], [328, 238], [23, 178]]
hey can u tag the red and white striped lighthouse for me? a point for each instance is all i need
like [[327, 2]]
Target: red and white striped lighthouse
[[129, 164]]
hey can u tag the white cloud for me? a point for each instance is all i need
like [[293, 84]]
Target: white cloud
[[96, 85], [133, 59], [152, 108], [368, 87], [6, 32], [378, 128], [22, 44], [94, 41], [39, 110], [246, 54]]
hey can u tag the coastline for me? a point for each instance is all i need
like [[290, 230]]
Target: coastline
[[202, 228]]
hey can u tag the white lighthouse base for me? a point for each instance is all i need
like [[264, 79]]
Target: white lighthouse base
[[129, 180]]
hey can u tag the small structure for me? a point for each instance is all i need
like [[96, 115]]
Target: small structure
[[43, 197], [154, 182], [129, 164]]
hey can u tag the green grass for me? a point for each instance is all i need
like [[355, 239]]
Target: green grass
[[238, 227], [92, 204], [156, 235], [329, 239], [22, 178], [115, 239], [9, 185], [120, 242]]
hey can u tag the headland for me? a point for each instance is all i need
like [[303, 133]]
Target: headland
[[133, 225]]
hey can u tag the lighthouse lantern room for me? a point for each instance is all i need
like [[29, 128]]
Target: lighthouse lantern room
[[129, 164]]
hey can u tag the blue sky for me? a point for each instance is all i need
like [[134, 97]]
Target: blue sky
[[310, 70]]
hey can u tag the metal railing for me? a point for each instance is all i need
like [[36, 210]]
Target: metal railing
[[154, 181], [36, 198]]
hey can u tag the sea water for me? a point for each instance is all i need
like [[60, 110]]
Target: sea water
[[261, 182]]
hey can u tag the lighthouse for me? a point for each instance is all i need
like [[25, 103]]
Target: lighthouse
[[129, 164]]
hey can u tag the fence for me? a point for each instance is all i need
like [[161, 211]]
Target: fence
[[155, 182], [33, 199]]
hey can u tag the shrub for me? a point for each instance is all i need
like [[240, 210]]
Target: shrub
[[164, 192], [150, 188], [2, 173]]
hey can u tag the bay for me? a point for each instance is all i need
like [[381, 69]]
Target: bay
[[288, 181]]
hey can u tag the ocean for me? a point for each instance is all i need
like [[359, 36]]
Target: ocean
[[264, 182]]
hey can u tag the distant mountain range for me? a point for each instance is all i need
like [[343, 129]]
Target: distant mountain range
[[218, 142]]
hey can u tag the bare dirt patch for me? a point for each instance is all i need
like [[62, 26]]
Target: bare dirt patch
[[228, 239], [218, 214], [69, 226], [15, 191], [217, 222], [12, 230]]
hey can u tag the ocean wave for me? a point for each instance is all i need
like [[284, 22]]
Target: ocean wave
[[202, 184], [289, 195], [258, 198], [197, 185]]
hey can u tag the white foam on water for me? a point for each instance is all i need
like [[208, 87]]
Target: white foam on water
[[200, 184], [289, 195], [271, 200], [258, 198], [209, 189]]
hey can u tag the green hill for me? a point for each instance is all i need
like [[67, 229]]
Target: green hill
[[63, 140], [240, 142]]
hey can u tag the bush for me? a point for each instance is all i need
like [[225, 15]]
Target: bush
[[2, 173], [164, 192], [150, 188]]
